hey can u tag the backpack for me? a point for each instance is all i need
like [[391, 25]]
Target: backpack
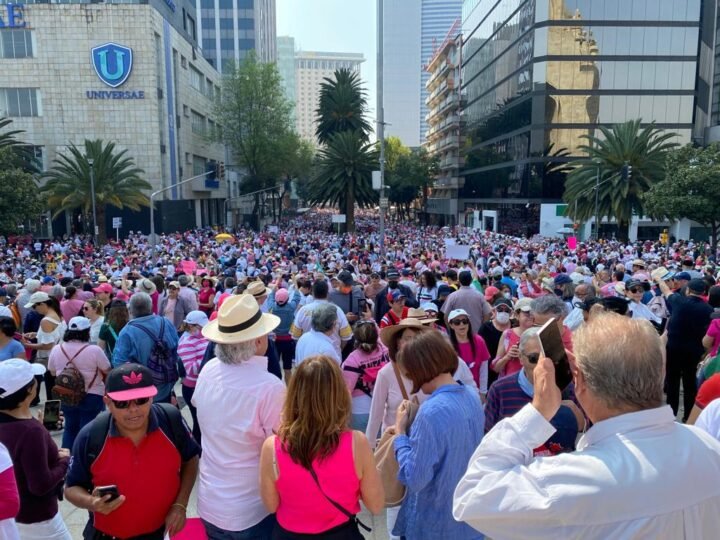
[[162, 361], [70, 386], [368, 375], [100, 427]]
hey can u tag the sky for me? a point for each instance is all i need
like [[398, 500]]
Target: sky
[[346, 26]]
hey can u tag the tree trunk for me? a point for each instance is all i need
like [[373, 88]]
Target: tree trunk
[[714, 238], [350, 208], [623, 231], [102, 233]]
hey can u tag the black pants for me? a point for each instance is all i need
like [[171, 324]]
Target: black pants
[[91, 533], [49, 380], [681, 366], [273, 362], [187, 393]]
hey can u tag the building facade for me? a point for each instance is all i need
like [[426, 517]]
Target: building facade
[[444, 138], [310, 70], [412, 30], [126, 73], [286, 67], [230, 29], [538, 75]]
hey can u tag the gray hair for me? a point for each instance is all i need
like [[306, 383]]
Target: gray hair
[[531, 334], [140, 305], [324, 317], [549, 304], [622, 361], [32, 285], [235, 353], [591, 291], [183, 280], [57, 291]]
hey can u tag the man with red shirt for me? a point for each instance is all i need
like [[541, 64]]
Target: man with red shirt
[[398, 310], [148, 455]]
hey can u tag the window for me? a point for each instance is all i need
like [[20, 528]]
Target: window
[[198, 123], [19, 102], [211, 128], [183, 62], [199, 165], [16, 44], [197, 81], [209, 89], [186, 111]]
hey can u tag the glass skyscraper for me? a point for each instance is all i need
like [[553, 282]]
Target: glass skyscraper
[[540, 74]]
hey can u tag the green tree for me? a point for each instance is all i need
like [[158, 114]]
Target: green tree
[[118, 182], [410, 177], [619, 194], [255, 123], [342, 106], [690, 189], [20, 155], [297, 166], [344, 175], [19, 199]]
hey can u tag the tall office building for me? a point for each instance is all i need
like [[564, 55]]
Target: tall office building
[[538, 75], [310, 70], [412, 31], [286, 67], [230, 29]]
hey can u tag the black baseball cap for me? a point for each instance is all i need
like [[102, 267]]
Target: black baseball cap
[[697, 286], [393, 274], [130, 381]]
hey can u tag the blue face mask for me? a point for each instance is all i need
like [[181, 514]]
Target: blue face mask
[[525, 384]]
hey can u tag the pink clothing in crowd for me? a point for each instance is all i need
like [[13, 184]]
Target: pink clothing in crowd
[[513, 365], [91, 362], [191, 350]]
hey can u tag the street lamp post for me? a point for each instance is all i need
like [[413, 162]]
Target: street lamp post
[[152, 208], [91, 162], [381, 121], [597, 206]]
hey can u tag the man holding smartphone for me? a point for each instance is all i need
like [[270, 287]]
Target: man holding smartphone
[[144, 459]]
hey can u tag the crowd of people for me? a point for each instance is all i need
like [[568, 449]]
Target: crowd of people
[[323, 371]]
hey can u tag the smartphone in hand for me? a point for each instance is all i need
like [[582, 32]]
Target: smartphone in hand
[[552, 347], [108, 490], [51, 414]]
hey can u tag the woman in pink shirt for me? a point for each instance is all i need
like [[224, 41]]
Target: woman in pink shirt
[[470, 347], [507, 360], [191, 350], [315, 471]]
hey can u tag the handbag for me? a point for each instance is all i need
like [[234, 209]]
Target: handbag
[[385, 460]]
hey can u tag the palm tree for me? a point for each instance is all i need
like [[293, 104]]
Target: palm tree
[[619, 192], [342, 106], [24, 157], [344, 175], [118, 182]]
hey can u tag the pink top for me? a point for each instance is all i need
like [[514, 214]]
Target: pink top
[[191, 350], [481, 355], [71, 308], [513, 365], [303, 508], [90, 361], [367, 363], [714, 332]]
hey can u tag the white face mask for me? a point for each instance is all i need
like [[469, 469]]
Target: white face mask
[[502, 317], [507, 295]]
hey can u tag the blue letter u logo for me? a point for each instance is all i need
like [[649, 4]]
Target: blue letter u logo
[[119, 69]]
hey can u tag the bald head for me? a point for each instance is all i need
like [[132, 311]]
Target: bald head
[[621, 361]]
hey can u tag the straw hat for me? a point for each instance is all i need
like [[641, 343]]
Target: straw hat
[[257, 289], [388, 333], [419, 313], [238, 320]]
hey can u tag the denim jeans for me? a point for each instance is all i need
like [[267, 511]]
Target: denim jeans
[[76, 417], [261, 531]]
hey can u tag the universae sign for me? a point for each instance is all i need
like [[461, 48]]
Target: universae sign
[[113, 63], [12, 16]]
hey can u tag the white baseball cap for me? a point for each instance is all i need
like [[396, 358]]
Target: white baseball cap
[[16, 373], [196, 317], [79, 323], [455, 313]]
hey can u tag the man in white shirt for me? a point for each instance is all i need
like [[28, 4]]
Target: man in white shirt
[[238, 406], [318, 340], [636, 472]]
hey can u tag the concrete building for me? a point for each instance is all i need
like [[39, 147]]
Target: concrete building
[[230, 29], [412, 31], [310, 70], [538, 75], [286, 67], [127, 73], [444, 137]]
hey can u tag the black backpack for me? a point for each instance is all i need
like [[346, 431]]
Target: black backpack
[[162, 361], [175, 431]]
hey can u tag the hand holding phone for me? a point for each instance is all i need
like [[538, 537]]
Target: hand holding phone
[[51, 414], [552, 347]]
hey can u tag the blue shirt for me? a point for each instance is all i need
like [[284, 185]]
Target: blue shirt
[[445, 433], [134, 345], [12, 350]]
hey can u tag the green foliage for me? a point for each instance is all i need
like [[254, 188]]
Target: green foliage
[[409, 173], [344, 175], [342, 106], [255, 122], [690, 189], [20, 155], [19, 199], [642, 148], [118, 182]]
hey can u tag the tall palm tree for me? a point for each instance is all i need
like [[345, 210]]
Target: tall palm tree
[[344, 175], [22, 155], [342, 106], [118, 182], [619, 193]]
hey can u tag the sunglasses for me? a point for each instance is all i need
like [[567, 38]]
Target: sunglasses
[[636, 290], [86, 308], [459, 322], [533, 357], [126, 404]]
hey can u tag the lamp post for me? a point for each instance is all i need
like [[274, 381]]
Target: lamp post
[[381, 121], [91, 162], [597, 206]]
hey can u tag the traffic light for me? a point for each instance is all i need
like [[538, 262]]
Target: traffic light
[[221, 171], [626, 172]]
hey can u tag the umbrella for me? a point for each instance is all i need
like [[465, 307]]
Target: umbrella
[[224, 236]]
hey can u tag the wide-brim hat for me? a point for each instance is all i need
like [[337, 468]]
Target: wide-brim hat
[[419, 313], [240, 319], [387, 333], [257, 289]]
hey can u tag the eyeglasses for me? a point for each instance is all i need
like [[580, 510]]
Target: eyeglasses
[[459, 322], [126, 404], [533, 357], [636, 290]]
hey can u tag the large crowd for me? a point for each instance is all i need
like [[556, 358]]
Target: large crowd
[[322, 371]]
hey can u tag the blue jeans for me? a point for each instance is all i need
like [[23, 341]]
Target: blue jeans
[[78, 416], [261, 531]]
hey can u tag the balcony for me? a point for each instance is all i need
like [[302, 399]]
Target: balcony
[[443, 107], [437, 74]]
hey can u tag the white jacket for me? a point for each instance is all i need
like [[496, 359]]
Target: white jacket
[[638, 475]]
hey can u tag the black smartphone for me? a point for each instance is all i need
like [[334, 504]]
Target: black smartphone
[[108, 490], [552, 347], [51, 414], [362, 306]]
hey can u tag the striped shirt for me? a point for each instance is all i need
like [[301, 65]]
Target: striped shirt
[[191, 350]]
